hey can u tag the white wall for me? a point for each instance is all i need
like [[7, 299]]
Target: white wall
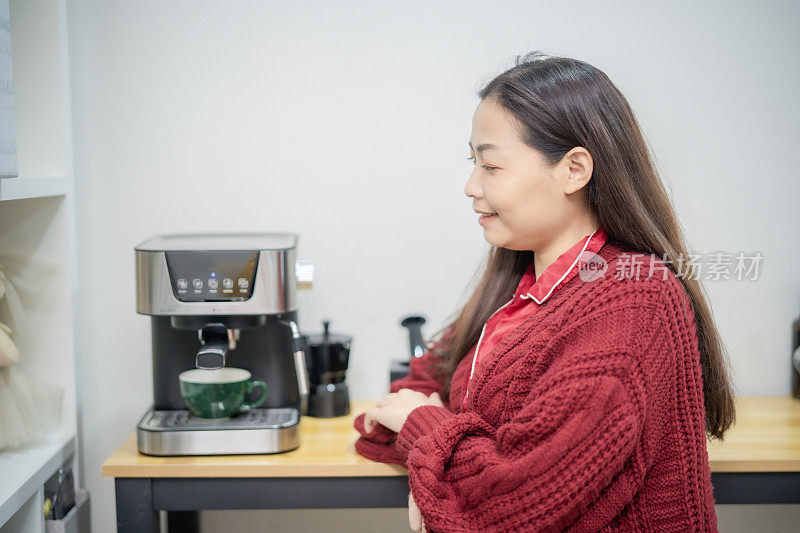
[[348, 123]]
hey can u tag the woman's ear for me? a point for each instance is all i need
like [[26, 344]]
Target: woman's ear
[[578, 165]]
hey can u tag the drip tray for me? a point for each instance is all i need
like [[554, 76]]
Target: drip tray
[[184, 420], [179, 432]]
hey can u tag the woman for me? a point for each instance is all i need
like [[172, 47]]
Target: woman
[[577, 386]]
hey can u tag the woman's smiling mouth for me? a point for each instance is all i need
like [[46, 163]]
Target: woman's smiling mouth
[[484, 217]]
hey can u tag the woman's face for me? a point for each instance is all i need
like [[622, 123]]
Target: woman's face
[[534, 203]]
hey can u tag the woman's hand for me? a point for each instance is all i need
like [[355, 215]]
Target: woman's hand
[[414, 516], [393, 409]]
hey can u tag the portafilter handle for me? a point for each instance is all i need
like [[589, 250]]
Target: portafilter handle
[[213, 346], [298, 345], [414, 325]]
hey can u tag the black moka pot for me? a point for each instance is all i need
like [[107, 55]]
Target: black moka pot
[[328, 355]]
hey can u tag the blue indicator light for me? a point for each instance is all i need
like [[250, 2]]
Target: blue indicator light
[[213, 274]]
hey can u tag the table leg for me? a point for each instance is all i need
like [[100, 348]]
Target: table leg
[[135, 512]]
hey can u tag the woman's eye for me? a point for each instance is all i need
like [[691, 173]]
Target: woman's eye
[[487, 167]]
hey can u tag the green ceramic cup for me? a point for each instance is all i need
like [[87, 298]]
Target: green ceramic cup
[[219, 393]]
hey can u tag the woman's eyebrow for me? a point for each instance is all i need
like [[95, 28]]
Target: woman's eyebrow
[[484, 146]]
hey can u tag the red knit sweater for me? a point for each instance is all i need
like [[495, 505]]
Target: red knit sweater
[[589, 416]]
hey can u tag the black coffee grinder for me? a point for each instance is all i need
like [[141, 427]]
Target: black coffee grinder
[[327, 358], [399, 369]]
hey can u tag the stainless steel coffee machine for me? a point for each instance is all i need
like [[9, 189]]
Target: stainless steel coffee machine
[[222, 300]]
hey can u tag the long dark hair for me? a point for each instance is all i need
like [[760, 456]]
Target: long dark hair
[[563, 103]]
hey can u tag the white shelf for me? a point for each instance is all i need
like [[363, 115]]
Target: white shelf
[[21, 188], [39, 234], [25, 470]]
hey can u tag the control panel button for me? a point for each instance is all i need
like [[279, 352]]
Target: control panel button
[[227, 283], [197, 284], [183, 284], [212, 283], [243, 283]]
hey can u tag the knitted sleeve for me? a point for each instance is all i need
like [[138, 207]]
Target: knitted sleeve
[[564, 445], [378, 445]]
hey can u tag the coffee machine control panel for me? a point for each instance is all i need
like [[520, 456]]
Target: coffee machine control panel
[[203, 276]]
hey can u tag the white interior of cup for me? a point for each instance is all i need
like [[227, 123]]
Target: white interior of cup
[[220, 375]]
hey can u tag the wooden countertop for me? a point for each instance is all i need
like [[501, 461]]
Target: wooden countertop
[[766, 439], [326, 450]]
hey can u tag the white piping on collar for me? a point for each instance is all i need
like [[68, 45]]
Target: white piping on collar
[[529, 295], [478, 346]]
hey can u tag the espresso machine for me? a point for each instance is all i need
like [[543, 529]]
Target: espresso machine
[[219, 300]]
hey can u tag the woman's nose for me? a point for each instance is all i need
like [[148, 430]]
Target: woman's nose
[[472, 188]]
